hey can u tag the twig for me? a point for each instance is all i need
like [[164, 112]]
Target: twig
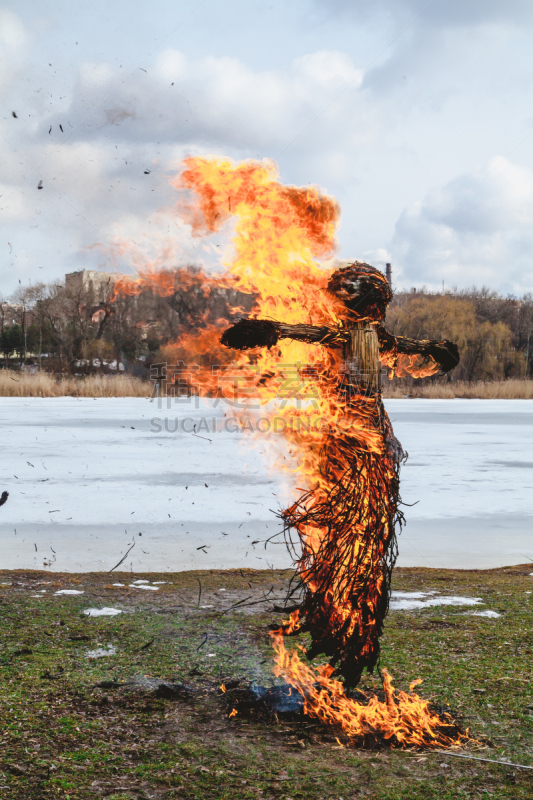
[[199, 592], [146, 646], [238, 604], [272, 537], [198, 435], [204, 641], [475, 758], [123, 558], [202, 437]]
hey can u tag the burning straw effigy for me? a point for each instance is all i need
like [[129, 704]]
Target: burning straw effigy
[[346, 525], [327, 323]]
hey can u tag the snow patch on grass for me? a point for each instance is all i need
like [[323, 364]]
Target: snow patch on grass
[[102, 652], [102, 612], [410, 601], [143, 586], [487, 613]]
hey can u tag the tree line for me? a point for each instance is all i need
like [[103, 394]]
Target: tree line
[[494, 332], [79, 327]]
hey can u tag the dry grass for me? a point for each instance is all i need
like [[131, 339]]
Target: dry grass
[[42, 384], [484, 390]]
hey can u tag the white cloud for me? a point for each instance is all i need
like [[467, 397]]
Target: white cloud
[[220, 101], [478, 228], [105, 170], [13, 43], [436, 48]]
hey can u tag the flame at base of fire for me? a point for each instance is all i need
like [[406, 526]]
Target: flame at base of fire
[[402, 720]]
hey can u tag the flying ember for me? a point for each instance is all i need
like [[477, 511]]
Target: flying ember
[[322, 325]]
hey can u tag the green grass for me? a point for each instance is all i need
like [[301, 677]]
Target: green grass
[[62, 737]]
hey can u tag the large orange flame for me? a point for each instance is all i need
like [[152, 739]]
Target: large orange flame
[[282, 238]]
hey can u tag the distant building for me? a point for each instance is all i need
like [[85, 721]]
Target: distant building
[[97, 283]]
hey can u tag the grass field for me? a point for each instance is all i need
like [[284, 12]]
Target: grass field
[[18, 384], [63, 736]]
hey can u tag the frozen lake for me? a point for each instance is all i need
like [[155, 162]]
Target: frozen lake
[[89, 480]]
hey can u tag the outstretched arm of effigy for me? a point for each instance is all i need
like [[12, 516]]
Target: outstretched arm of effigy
[[248, 333], [416, 357]]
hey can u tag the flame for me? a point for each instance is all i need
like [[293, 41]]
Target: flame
[[233, 713], [402, 719], [417, 366], [283, 237], [165, 282]]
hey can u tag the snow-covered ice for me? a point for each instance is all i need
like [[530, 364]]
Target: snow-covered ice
[[91, 479], [470, 473]]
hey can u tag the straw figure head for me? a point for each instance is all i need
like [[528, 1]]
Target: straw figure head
[[363, 289]]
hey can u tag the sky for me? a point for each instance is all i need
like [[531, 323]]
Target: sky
[[417, 116]]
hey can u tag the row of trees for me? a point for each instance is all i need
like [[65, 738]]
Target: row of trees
[[494, 333], [79, 327]]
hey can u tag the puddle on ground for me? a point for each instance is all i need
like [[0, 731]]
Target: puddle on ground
[[102, 612], [102, 652], [410, 601]]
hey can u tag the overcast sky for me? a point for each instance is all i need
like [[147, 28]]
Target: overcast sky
[[417, 116]]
